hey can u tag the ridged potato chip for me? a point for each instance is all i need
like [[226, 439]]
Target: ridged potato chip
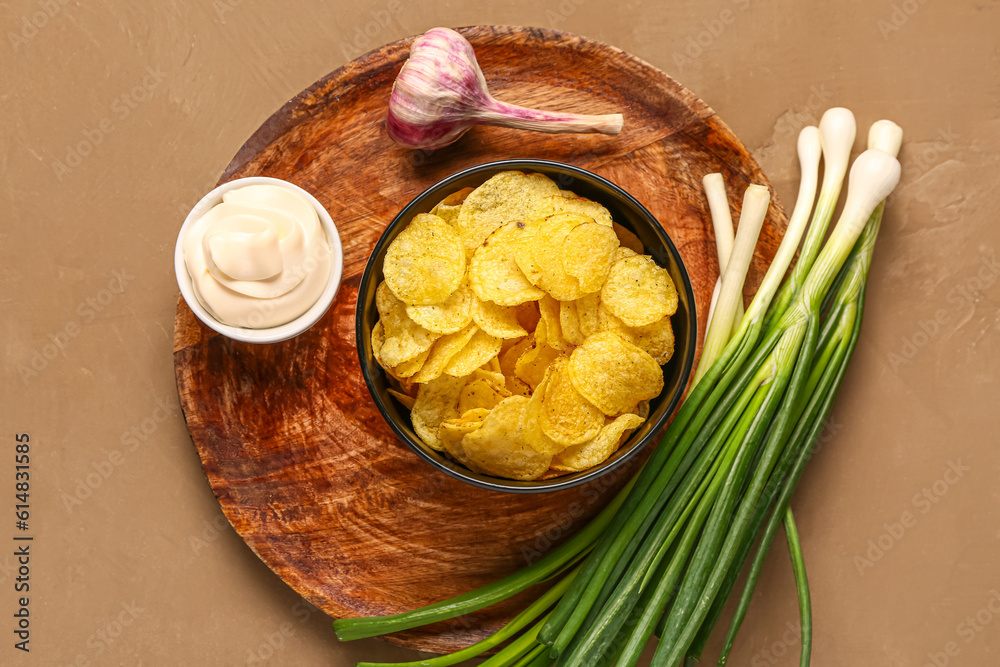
[[628, 239], [566, 416], [425, 263], [614, 374], [454, 314], [442, 352], [638, 292], [588, 253], [493, 270], [540, 256], [596, 451], [549, 309], [497, 320], [657, 339], [402, 339], [436, 401], [506, 197], [498, 446], [479, 350], [563, 203], [447, 209], [569, 322]]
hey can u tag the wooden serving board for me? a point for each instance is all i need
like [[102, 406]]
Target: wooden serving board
[[301, 461]]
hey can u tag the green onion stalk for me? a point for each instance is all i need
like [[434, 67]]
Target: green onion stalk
[[664, 555]]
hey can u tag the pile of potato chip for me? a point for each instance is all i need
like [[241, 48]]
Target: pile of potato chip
[[523, 328]]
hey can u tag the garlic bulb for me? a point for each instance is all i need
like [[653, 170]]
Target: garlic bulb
[[441, 93]]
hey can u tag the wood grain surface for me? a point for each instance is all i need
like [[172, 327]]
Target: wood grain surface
[[297, 454]]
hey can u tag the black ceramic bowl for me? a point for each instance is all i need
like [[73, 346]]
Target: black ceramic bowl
[[626, 211]]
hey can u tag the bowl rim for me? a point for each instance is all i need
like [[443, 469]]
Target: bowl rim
[[529, 486], [269, 334]]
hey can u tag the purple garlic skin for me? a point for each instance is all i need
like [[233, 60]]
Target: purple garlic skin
[[441, 93]]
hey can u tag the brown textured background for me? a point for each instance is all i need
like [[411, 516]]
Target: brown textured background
[[132, 561]]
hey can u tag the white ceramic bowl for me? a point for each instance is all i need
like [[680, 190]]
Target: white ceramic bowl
[[270, 334]]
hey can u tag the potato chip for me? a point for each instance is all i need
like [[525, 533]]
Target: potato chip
[[496, 320], [596, 451], [410, 367], [493, 270], [588, 253], [657, 339], [405, 399], [628, 239], [493, 365], [624, 252], [378, 340], [451, 431], [566, 416], [638, 292], [447, 209], [531, 424], [540, 256], [531, 366], [454, 314], [425, 263], [549, 309], [569, 322], [498, 446], [481, 393], [480, 349], [614, 374], [442, 352], [436, 401], [575, 204], [506, 197], [509, 356], [587, 313], [403, 339]]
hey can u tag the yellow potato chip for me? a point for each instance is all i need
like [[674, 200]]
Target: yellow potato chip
[[569, 322], [425, 263], [540, 256], [587, 312], [405, 399], [447, 209], [614, 374], [479, 350], [638, 292], [627, 239], [442, 352], [451, 431], [402, 338], [454, 314], [496, 320], [498, 447], [494, 273], [582, 206], [624, 252], [566, 416], [531, 424], [596, 451], [493, 365], [657, 339], [588, 253], [513, 352], [549, 309], [378, 340], [436, 401], [411, 366], [531, 366], [506, 197], [481, 393]]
